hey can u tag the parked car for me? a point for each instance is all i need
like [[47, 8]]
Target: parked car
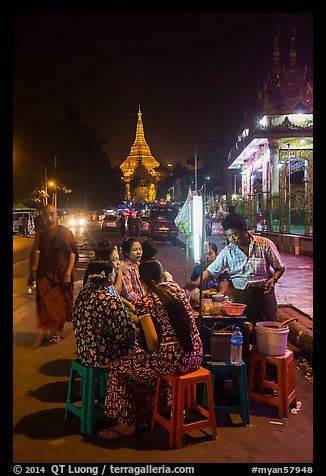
[[161, 223], [144, 225], [109, 223]]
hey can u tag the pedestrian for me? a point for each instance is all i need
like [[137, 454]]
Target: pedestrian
[[102, 329], [53, 264], [254, 265], [25, 226], [131, 224], [122, 225], [172, 345], [208, 224], [20, 225], [137, 224]]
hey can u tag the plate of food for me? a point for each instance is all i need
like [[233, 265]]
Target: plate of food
[[208, 293]]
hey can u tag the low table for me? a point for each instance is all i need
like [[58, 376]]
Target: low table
[[223, 323]]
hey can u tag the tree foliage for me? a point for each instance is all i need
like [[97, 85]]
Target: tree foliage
[[69, 152]]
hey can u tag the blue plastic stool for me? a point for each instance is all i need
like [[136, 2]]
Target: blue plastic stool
[[90, 392], [238, 393]]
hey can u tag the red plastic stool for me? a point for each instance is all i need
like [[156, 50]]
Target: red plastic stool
[[284, 386], [183, 409]]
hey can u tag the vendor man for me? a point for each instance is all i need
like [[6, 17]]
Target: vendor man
[[254, 265]]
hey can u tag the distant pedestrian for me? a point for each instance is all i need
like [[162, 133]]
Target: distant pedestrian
[[20, 226], [131, 225], [137, 224], [25, 232], [122, 225], [53, 260], [208, 224]]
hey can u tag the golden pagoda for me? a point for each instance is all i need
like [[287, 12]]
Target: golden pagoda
[[139, 187]]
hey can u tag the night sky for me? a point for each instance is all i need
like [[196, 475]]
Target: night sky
[[191, 73]]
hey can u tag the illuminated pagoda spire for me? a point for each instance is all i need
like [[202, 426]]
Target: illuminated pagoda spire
[[139, 150], [140, 153]]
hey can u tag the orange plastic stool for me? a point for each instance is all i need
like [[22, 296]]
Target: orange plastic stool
[[284, 386], [184, 407]]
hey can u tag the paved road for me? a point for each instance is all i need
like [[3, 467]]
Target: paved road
[[40, 384]]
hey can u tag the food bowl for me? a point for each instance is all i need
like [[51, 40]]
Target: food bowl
[[233, 308], [218, 297]]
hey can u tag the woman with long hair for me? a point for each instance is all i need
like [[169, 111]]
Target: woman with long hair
[[171, 345]]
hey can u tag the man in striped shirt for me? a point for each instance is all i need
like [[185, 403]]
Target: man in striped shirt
[[254, 266]]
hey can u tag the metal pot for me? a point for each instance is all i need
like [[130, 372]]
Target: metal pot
[[277, 325]]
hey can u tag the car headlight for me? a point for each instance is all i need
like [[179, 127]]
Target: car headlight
[[81, 221], [72, 221]]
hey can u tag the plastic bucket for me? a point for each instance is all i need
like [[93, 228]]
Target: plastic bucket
[[271, 340]]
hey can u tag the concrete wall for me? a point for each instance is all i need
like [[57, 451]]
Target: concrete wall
[[292, 244]]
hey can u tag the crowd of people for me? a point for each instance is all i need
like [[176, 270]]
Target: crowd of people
[[131, 315]]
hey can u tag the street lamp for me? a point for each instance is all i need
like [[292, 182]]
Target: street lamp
[[52, 184]]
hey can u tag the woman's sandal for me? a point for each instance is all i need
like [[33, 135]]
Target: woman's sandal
[[108, 434]]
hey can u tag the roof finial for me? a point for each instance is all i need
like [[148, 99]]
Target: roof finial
[[293, 51]]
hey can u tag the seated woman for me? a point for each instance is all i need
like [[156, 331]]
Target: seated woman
[[102, 329], [174, 347], [131, 288], [105, 251], [220, 283]]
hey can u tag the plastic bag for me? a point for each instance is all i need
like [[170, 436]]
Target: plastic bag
[[183, 219]]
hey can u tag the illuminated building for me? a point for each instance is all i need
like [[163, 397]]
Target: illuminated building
[[272, 162]]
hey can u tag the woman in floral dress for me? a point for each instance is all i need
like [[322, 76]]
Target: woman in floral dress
[[173, 347], [101, 326]]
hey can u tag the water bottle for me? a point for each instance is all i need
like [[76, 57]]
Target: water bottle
[[236, 347]]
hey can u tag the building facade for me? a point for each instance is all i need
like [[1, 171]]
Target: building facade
[[272, 162]]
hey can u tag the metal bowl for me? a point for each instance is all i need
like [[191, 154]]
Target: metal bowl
[[233, 308]]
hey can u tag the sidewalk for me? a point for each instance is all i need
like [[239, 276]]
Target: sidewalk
[[42, 436], [294, 294]]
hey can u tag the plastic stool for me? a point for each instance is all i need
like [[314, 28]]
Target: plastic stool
[[93, 381], [239, 392], [183, 409], [284, 385]]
